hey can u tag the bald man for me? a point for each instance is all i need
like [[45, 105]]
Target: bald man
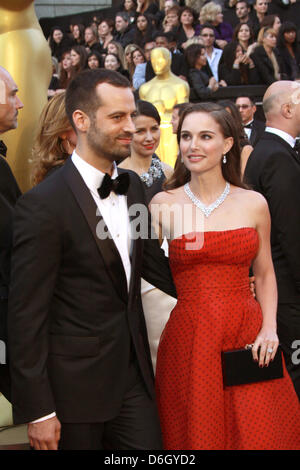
[[273, 169], [9, 193]]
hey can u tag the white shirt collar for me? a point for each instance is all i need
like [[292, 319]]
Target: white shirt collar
[[91, 176], [284, 135]]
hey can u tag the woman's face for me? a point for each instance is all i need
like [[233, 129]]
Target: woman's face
[[66, 62], [270, 40], [57, 36], [201, 60], [137, 58], [186, 18], [146, 137], [93, 62], [112, 49], [289, 37], [202, 144], [276, 24], [76, 32], [244, 33], [142, 23], [103, 29], [128, 5], [128, 55], [111, 62], [238, 51], [75, 58], [261, 6], [219, 18]]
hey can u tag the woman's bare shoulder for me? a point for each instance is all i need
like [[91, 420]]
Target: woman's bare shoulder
[[253, 199], [166, 197]]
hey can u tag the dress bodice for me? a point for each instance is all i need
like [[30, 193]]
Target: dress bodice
[[218, 260]]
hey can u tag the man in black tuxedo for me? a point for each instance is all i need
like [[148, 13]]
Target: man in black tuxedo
[[81, 368], [273, 169], [9, 193], [254, 128]]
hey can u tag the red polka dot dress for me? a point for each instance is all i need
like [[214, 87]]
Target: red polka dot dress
[[216, 312]]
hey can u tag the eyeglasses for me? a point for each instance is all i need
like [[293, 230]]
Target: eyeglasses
[[208, 35], [243, 106]]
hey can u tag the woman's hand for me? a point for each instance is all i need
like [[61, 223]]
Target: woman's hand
[[267, 341], [213, 84]]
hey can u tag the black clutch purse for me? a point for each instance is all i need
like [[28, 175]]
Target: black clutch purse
[[239, 368]]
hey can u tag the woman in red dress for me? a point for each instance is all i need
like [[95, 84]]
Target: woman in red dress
[[210, 258]]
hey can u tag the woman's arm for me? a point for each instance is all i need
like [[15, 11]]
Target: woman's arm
[[266, 288]]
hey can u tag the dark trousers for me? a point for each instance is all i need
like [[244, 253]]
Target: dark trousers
[[288, 326], [136, 426]]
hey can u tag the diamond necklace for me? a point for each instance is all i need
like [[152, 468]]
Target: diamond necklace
[[207, 210]]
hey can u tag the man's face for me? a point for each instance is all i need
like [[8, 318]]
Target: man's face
[[120, 24], [241, 10], [111, 129], [208, 36], [9, 102], [246, 109], [161, 41]]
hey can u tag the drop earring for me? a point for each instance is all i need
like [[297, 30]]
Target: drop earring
[[224, 159]]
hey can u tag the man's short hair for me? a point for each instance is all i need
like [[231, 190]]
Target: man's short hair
[[248, 97], [81, 92], [161, 34], [124, 15], [242, 1], [208, 26]]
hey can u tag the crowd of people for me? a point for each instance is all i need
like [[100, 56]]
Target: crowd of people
[[256, 48], [116, 316]]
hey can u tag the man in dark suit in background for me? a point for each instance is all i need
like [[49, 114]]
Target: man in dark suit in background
[[254, 129], [80, 361], [9, 193], [273, 169]]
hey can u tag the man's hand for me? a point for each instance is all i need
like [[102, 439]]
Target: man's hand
[[44, 435]]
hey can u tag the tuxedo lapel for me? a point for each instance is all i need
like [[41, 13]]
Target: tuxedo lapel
[[107, 247], [273, 137], [136, 245]]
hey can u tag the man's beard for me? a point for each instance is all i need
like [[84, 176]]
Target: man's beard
[[105, 146]]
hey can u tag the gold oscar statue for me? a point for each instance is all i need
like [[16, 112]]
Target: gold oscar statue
[[25, 53], [164, 91]]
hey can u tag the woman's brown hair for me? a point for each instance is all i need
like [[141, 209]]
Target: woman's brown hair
[[232, 169], [48, 151]]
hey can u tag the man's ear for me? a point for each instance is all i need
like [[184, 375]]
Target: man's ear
[[287, 110], [81, 120]]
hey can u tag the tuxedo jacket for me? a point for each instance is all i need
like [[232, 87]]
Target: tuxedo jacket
[[9, 193], [257, 130], [273, 169], [73, 326]]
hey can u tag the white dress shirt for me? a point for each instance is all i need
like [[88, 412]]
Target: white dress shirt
[[213, 61], [284, 135], [115, 214]]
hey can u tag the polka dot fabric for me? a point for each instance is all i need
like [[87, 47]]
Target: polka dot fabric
[[216, 312]]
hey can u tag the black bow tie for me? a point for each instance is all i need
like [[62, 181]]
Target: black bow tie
[[297, 146], [119, 185], [3, 148], [248, 126]]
